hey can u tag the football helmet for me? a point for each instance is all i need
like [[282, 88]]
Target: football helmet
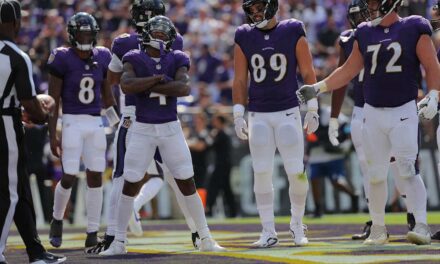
[[357, 12], [435, 22], [82, 29], [384, 8], [163, 25], [269, 11], [143, 10]]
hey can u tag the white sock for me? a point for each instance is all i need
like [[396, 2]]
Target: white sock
[[125, 209], [148, 191], [181, 201], [116, 192], [94, 208], [61, 198], [378, 199], [298, 206], [265, 210], [416, 197], [195, 209]]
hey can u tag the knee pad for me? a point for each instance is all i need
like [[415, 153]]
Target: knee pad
[[259, 135], [377, 175], [287, 135], [132, 176], [299, 183], [293, 166], [71, 167], [407, 167], [183, 172], [263, 182]]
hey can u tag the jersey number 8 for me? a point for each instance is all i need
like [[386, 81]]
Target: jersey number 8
[[86, 94], [277, 62]]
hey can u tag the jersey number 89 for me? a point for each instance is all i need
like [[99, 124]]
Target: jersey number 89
[[86, 94], [277, 62]]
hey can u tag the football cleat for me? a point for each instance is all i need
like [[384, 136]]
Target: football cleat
[[365, 232], [116, 248], [47, 257], [101, 246], [56, 233], [267, 239], [378, 236], [298, 233], [420, 235], [135, 224], [436, 236], [210, 245], [195, 238]]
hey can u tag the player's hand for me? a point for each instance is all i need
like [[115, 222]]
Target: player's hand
[[55, 146], [333, 131], [306, 93], [241, 128], [427, 107], [311, 121], [47, 102]]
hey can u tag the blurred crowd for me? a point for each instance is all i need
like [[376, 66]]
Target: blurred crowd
[[208, 28]]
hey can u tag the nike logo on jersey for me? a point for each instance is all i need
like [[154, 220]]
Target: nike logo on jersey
[[289, 114], [404, 118]]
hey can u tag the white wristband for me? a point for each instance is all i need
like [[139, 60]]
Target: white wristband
[[312, 105], [238, 110], [321, 87]]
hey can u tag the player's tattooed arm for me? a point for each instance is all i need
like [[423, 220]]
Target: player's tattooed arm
[[339, 94], [305, 61], [131, 84], [55, 88], [240, 82], [178, 87]]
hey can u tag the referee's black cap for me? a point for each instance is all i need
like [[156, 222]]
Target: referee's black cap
[[10, 11]]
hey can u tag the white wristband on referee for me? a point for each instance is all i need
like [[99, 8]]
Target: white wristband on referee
[[111, 115], [238, 110]]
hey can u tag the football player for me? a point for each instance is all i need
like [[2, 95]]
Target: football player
[[157, 75], [357, 13], [141, 12], [390, 49], [271, 51], [78, 78]]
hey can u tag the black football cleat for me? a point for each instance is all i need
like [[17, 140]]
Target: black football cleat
[[56, 233], [411, 221], [48, 258], [91, 241], [365, 232], [101, 246], [195, 240]]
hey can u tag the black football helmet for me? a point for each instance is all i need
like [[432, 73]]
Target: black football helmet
[[159, 24], [435, 22], [384, 9], [143, 10], [270, 9], [357, 12], [82, 29]]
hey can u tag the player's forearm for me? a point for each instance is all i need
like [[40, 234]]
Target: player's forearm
[[173, 88], [433, 78], [239, 92], [53, 120], [337, 100], [137, 85], [339, 78]]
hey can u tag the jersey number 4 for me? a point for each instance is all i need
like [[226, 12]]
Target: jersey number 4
[[277, 62], [86, 94], [391, 66]]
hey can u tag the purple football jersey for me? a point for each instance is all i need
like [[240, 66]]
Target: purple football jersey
[[126, 42], [82, 79], [154, 108], [346, 40], [392, 68], [272, 64]]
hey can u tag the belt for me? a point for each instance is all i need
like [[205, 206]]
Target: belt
[[10, 111]]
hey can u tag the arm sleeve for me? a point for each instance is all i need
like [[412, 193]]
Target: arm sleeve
[[24, 82]]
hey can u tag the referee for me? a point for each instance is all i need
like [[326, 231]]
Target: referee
[[16, 89]]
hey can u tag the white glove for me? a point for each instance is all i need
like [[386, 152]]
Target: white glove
[[309, 92], [311, 121], [427, 107], [333, 131], [241, 128]]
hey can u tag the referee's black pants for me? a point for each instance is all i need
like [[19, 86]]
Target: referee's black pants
[[15, 193]]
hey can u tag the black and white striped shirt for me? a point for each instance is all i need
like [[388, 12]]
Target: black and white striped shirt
[[16, 81]]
